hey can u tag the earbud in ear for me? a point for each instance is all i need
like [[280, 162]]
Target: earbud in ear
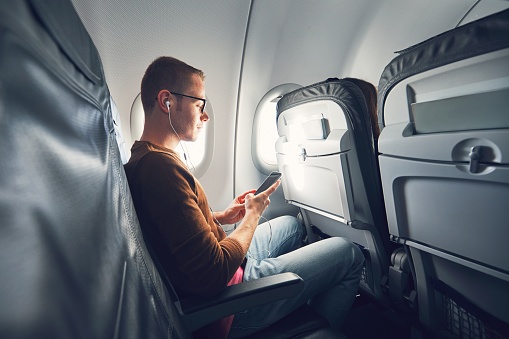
[[167, 103]]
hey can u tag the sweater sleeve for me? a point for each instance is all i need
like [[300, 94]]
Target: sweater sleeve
[[196, 253]]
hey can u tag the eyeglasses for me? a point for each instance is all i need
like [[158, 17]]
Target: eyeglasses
[[188, 96]]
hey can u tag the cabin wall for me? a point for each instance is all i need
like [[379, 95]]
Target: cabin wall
[[208, 35], [297, 41], [245, 55], [288, 42]]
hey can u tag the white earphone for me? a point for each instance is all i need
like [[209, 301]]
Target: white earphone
[[167, 103]]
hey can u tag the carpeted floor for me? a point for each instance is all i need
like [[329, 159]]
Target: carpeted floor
[[367, 320]]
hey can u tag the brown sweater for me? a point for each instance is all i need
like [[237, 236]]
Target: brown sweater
[[177, 222]]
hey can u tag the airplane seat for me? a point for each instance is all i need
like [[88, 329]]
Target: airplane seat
[[119, 134], [444, 150], [72, 255], [326, 152], [199, 313]]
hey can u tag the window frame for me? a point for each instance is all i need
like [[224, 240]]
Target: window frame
[[274, 94]]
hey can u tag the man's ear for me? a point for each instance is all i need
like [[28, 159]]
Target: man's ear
[[164, 100]]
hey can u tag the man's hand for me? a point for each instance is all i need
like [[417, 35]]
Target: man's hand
[[235, 211], [252, 210], [258, 203]]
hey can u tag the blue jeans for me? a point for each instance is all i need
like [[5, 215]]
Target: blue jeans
[[331, 270]]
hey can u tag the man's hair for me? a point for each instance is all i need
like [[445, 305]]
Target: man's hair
[[370, 94], [165, 73]]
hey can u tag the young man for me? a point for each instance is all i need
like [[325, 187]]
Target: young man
[[187, 236]]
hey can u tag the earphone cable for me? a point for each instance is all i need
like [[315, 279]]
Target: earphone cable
[[184, 151], [270, 234]]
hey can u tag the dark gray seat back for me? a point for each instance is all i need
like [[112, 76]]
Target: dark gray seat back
[[326, 152], [444, 148], [72, 259]]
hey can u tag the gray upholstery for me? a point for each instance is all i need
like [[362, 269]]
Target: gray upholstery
[[72, 256], [444, 166], [327, 153]]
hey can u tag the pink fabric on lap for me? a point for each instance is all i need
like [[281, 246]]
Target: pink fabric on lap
[[220, 328]]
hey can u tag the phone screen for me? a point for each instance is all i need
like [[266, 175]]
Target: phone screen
[[272, 178]]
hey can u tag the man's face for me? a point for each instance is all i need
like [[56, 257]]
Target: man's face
[[188, 118]]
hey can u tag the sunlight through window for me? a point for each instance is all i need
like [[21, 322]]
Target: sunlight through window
[[265, 128]]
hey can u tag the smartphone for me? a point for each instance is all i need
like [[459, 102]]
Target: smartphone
[[272, 178]]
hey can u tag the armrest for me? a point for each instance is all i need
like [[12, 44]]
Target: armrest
[[198, 312]]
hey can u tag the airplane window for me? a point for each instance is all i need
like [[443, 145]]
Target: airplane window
[[198, 154], [265, 128]]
